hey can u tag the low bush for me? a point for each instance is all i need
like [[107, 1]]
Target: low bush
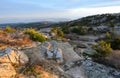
[[65, 29], [58, 32], [107, 35], [79, 30], [34, 35], [102, 49], [115, 43], [9, 29]]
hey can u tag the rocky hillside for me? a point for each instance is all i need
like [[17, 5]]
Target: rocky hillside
[[53, 58], [94, 20]]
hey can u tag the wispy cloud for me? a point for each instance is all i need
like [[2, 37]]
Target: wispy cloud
[[68, 13], [80, 12], [35, 9]]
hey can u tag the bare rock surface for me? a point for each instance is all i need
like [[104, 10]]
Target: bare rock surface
[[55, 54], [13, 56], [95, 70], [74, 65], [36, 54], [68, 53], [76, 72]]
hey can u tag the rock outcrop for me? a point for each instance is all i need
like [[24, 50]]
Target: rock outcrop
[[13, 56], [55, 54], [68, 53], [8, 58], [95, 70], [53, 50], [73, 65]]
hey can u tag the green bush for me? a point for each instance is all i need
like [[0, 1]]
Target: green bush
[[34, 35], [58, 32], [102, 49], [107, 35], [75, 30], [115, 43], [9, 29], [65, 29], [79, 30]]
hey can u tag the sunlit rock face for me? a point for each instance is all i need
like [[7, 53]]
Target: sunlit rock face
[[13, 56]]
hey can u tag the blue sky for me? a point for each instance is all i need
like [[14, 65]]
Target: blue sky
[[37, 10]]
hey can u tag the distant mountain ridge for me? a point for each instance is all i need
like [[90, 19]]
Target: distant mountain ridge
[[94, 20]]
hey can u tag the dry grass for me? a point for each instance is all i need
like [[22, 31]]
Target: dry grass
[[113, 59], [3, 46], [35, 70], [17, 39]]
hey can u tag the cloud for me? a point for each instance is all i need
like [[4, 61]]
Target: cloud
[[80, 12]]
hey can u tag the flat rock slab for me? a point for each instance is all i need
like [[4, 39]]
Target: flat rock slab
[[69, 54], [95, 70], [76, 72]]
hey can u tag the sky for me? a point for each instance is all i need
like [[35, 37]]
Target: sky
[[40, 10]]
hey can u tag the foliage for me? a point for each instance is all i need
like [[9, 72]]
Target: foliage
[[34, 35], [102, 49], [96, 20], [107, 35], [65, 29], [110, 24], [58, 32], [90, 28], [79, 30], [9, 29], [115, 43]]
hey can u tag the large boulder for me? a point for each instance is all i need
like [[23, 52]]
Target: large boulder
[[7, 70], [55, 50], [69, 54], [13, 56]]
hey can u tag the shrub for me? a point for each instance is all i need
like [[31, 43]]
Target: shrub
[[65, 29], [115, 43], [79, 30], [58, 32], [102, 49], [75, 30], [34, 35], [107, 35], [9, 29]]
